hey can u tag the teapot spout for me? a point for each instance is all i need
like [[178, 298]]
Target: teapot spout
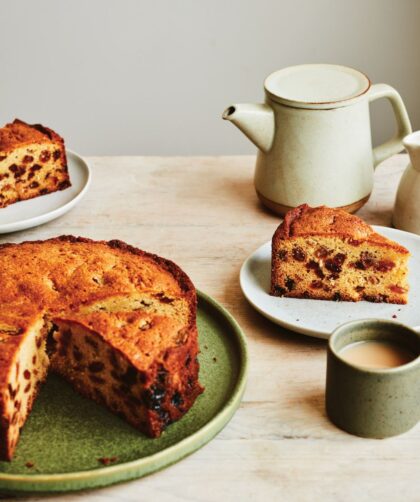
[[412, 145], [256, 121]]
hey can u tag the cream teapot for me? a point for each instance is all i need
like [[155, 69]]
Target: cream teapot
[[314, 138]]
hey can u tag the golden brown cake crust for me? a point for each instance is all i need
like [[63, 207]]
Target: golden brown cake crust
[[19, 133], [34, 274], [306, 221]]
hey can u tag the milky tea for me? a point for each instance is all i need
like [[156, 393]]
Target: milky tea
[[376, 354]]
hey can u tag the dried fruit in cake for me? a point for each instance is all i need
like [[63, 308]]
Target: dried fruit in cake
[[116, 322], [32, 162], [329, 254]]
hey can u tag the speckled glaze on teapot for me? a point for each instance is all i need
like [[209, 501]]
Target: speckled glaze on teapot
[[314, 138]]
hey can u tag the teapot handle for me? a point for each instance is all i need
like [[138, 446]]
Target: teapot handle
[[393, 145]]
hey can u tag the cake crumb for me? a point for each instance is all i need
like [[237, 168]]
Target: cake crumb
[[29, 465], [107, 460]]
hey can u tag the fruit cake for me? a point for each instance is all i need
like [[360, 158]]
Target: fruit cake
[[116, 322], [329, 254], [32, 162]]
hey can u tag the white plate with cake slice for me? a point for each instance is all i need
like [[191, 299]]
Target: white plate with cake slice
[[33, 212], [319, 318]]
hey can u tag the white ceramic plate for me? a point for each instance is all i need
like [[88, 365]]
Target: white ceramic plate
[[318, 317], [33, 212]]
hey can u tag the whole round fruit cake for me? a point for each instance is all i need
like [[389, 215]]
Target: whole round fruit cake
[[116, 322]]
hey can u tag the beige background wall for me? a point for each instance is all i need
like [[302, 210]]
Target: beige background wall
[[153, 77]]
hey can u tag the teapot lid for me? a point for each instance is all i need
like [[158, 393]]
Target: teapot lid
[[317, 86]]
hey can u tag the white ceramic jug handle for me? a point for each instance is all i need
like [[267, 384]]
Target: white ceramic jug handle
[[393, 145]]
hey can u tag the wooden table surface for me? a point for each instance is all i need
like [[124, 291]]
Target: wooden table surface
[[202, 213]]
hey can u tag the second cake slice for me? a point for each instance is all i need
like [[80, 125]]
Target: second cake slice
[[33, 162], [329, 254]]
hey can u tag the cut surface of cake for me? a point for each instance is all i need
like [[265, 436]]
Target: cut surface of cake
[[329, 254], [119, 324], [33, 162], [23, 368]]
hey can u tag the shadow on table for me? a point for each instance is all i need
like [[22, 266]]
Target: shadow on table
[[274, 331], [243, 191]]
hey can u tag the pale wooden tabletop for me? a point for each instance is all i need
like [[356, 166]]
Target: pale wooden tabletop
[[203, 214]]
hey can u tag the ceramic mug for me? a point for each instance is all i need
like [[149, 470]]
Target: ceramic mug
[[374, 403], [314, 137]]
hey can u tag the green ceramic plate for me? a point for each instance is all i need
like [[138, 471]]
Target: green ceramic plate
[[66, 434]]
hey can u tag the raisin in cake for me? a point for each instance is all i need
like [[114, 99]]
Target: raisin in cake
[[328, 254], [118, 323], [32, 162]]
